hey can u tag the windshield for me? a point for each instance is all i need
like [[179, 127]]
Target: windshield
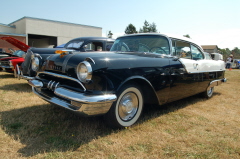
[[74, 45], [142, 43], [19, 53]]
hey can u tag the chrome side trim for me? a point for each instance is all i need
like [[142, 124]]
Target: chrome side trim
[[62, 76], [206, 71], [65, 63]]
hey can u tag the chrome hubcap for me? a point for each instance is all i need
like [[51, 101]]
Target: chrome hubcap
[[209, 92], [128, 106]]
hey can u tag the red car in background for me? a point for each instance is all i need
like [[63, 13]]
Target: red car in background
[[9, 64]]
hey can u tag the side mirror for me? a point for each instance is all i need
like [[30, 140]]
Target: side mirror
[[175, 58]]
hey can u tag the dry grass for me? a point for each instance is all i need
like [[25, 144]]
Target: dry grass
[[189, 128]]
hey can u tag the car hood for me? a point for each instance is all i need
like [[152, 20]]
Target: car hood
[[16, 43], [45, 50], [101, 60], [9, 58]]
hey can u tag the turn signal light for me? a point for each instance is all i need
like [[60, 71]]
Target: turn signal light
[[60, 51]]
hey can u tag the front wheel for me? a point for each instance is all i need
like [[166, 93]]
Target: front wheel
[[128, 107], [208, 93]]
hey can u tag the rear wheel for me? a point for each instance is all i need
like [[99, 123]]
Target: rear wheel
[[208, 93], [128, 107]]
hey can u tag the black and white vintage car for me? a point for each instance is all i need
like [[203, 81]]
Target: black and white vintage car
[[35, 57], [140, 69]]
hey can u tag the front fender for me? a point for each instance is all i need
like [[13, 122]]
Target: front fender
[[149, 92]]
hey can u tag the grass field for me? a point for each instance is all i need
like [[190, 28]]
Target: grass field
[[190, 128]]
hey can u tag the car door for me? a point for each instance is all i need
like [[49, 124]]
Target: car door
[[184, 72], [208, 69]]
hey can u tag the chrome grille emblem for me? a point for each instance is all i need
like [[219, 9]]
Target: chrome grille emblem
[[52, 85]]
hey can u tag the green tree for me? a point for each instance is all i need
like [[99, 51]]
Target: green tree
[[224, 53], [130, 29], [187, 36], [153, 28], [110, 34], [147, 28], [236, 53]]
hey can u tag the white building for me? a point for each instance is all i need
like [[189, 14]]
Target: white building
[[46, 33]]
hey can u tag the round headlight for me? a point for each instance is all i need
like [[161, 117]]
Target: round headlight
[[84, 71], [35, 64]]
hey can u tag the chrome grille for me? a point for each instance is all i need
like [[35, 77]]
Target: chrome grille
[[54, 79], [52, 85], [4, 63]]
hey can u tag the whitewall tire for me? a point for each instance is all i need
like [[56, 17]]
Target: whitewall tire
[[127, 109], [208, 93]]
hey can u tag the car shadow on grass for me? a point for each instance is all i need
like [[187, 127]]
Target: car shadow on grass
[[155, 111], [6, 75], [17, 87], [48, 128]]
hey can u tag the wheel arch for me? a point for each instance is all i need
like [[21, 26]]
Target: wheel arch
[[149, 96]]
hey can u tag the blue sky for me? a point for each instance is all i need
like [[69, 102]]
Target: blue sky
[[208, 22]]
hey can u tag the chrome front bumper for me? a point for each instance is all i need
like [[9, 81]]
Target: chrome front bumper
[[21, 76], [7, 67], [85, 104]]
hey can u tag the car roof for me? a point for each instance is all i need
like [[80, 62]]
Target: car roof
[[93, 38], [172, 36]]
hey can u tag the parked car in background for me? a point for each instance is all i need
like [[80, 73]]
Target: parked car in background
[[9, 63], [35, 57], [217, 56], [3, 53], [140, 69], [236, 63]]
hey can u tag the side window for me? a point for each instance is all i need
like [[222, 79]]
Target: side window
[[108, 46], [196, 53], [89, 47], [94, 46], [183, 50]]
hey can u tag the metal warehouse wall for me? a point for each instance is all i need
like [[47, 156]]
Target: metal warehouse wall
[[63, 31]]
